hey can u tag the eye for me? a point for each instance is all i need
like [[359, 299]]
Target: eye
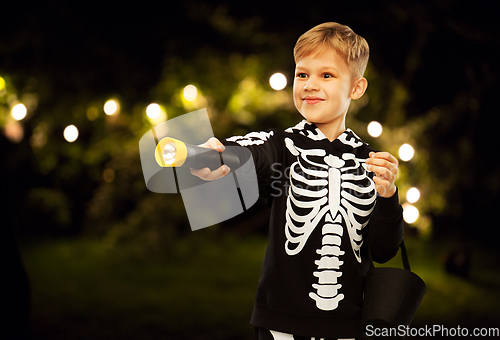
[[301, 75], [328, 75]]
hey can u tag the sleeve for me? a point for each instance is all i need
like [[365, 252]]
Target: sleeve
[[385, 231], [266, 148]]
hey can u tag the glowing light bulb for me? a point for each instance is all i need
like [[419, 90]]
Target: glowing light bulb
[[278, 81], [70, 133], [153, 110], [190, 93], [18, 112], [111, 107], [406, 152], [410, 213], [412, 195], [169, 153], [374, 129]]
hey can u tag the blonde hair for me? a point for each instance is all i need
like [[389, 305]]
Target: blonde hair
[[353, 48]]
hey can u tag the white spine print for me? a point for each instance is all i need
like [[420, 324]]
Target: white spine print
[[328, 192], [327, 294]]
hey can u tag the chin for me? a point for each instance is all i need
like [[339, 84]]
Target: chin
[[312, 118]]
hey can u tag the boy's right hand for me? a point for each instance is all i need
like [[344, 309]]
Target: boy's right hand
[[205, 173]]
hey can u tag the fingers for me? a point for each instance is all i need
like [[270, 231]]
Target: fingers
[[383, 164], [385, 167], [213, 143], [208, 175], [381, 182], [205, 173], [384, 171], [382, 156]]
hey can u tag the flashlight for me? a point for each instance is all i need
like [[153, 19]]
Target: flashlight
[[172, 152]]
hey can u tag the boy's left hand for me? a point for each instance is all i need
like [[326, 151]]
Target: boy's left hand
[[385, 167]]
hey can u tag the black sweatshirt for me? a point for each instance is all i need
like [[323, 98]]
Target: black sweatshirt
[[324, 215]]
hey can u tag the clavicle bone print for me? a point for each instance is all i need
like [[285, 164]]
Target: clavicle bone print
[[338, 192]]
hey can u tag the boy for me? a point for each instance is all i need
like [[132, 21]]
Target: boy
[[332, 198]]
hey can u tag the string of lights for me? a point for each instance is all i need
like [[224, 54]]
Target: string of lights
[[156, 114]]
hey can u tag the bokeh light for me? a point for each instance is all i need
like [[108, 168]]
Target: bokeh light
[[156, 113], [39, 137], [108, 175], [111, 107], [14, 131], [70, 133], [92, 113], [18, 112], [278, 81], [190, 93], [406, 152], [413, 195], [153, 110], [2, 84], [410, 213], [374, 129]]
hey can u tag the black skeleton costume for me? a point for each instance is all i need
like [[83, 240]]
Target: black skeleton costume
[[324, 216]]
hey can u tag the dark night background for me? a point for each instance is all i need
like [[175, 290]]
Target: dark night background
[[442, 55]]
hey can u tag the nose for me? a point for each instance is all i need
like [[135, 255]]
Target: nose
[[311, 84]]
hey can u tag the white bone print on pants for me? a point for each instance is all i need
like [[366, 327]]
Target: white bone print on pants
[[283, 336], [338, 191]]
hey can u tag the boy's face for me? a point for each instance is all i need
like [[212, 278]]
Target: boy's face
[[323, 88]]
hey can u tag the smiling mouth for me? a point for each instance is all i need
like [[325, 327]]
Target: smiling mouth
[[313, 100]]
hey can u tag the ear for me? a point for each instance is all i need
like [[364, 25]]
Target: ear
[[359, 88]]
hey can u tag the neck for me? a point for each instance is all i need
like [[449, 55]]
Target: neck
[[332, 130]]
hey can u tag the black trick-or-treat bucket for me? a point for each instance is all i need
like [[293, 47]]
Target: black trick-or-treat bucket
[[391, 299]]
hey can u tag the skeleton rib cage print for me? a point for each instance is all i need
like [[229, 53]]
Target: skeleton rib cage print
[[334, 192]]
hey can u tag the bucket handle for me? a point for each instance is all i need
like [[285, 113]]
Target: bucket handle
[[404, 256]]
